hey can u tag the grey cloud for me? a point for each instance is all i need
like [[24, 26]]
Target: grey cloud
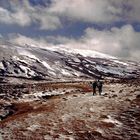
[[97, 11], [85, 10], [48, 21], [23, 14], [23, 40], [93, 11], [121, 42], [18, 16]]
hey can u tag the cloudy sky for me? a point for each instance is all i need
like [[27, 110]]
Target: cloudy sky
[[108, 26]]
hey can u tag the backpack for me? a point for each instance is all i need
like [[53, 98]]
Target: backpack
[[99, 83]]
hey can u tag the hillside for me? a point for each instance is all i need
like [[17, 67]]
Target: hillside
[[73, 115], [46, 94], [54, 63]]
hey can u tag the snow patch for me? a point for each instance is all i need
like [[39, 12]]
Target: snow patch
[[47, 137], [28, 54], [77, 74], [76, 60], [55, 92], [81, 68], [38, 95], [65, 117], [1, 66], [90, 53], [64, 72], [33, 127], [92, 109], [117, 61], [112, 120], [27, 70], [47, 65], [51, 72], [100, 130], [110, 70], [1, 137], [64, 137], [83, 52], [18, 59]]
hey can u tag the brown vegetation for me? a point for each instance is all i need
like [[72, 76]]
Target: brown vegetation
[[114, 116]]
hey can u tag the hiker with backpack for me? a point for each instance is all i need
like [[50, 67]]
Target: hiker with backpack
[[94, 85], [99, 85]]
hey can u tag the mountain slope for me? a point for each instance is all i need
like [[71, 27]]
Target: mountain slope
[[61, 63]]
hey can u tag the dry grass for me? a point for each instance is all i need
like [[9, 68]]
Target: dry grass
[[76, 115]]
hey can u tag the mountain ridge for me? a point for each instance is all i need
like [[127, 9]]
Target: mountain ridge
[[51, 63]]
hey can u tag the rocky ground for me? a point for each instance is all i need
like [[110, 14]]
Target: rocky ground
[[73, 115]]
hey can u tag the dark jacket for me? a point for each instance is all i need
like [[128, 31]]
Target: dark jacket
[[94, 84], [99, 84]]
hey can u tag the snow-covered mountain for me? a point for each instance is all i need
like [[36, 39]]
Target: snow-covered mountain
[[62, 63]]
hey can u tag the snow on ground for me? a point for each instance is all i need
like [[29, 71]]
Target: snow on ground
[[83, 52], [47, 65], [77, 73], [109, 70], [33, 127], [79, 116], [1, 66], [90, 53], [91, 62], [110, 119], [1, 137], [24, 52], [27, 70], [64, 137], [21, 60], [47, 137], [117, 61], [38, 95], [34, 61], [64, 72], [52, 73]]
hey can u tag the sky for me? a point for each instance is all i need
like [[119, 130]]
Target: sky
[[107, 26]]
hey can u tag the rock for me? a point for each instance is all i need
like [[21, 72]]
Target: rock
[[104, 116], [138, 96], [88, 135], [128, 100], [114, 96], [47, 96], [106, 94], [111, 90], [108, 124], [75, 95], [6, 110], [121, 91], [64, 99]]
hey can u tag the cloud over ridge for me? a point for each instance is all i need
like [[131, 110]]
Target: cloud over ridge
[[47, 16], [121, 42]]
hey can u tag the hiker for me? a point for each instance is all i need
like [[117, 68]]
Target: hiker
[[99, 86], [94, 85]]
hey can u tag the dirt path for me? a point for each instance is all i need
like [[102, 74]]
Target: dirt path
[[78, 116]]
